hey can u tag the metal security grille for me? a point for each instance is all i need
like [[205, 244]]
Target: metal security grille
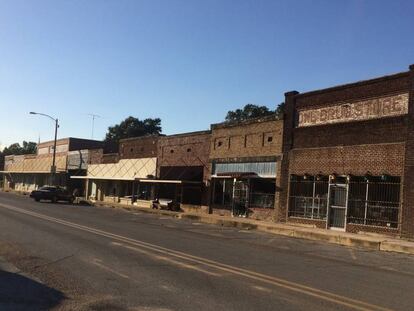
[[374, 202], [308, 197]]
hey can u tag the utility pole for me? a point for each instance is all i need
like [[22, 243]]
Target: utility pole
[[94, 116], [53, 168]]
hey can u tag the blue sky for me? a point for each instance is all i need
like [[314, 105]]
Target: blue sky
[[185, 61]]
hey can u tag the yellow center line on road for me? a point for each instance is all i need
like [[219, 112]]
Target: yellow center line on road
[[169, 260], [292, 286], [99, 263]]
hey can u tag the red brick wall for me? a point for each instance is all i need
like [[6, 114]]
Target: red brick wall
[[282, 183], [79, 144], [385, 130], [355, 160], [355, 91], [139, 147], [110, 158], [317, 223], [190, 149], [252, 140], [354, 228], [377, 145], [247, 139], [95, 156]]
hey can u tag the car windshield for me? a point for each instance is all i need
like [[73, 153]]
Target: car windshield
[[47, 188]]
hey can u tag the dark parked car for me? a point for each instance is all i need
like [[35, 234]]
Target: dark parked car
[[53, 194]]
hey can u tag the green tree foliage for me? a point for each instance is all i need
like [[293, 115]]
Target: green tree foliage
[[251, 111], [28, 147], [133, 127], [280, 110]]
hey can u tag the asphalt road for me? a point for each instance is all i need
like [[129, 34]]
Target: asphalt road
[[89, 258]]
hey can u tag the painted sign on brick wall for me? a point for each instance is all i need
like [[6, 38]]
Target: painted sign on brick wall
[[374, 108]]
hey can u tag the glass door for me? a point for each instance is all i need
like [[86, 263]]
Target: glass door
[[338, 202]]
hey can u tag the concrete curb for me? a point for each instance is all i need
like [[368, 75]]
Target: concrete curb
[[366, 242], [397, 246], [7, 266]]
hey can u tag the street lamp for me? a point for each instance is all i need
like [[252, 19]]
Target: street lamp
[[53, 168]]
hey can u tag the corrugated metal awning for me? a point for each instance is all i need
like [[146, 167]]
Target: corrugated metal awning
[[261, 169]]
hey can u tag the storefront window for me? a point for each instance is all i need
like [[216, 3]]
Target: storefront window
[[144, 191], [192, 194], [308, 196], [262, 192], [374, 201], [223, 191]]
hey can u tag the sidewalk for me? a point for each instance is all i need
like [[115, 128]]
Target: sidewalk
[[366, 241]]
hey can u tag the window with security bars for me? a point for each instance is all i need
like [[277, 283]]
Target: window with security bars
[[374, 201], [308, 196]]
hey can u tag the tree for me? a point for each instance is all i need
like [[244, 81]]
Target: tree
[[15, 149], [249, 111], [27, 148], [280, 110], [133, 127]]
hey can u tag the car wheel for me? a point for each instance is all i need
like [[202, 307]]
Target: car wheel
[[37, 199], [54, 199]]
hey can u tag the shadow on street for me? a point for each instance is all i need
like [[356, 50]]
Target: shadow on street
[[18, 292]]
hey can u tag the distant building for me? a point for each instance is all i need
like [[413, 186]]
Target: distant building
[[154, 167], [29, 172], [116, 177]]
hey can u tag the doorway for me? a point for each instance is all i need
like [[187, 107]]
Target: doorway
[[240, 197], [338, 202]]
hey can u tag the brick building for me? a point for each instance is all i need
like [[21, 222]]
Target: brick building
[[172, 168], [244, 163], [118, 177], [347, 157], [139, 147], [183, 169]]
